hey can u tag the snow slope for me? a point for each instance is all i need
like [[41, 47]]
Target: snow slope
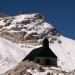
[[26, 32], [10, 55], [65, 53]]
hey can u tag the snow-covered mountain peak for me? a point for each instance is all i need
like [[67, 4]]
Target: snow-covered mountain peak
[[28, 32], [28, 28]]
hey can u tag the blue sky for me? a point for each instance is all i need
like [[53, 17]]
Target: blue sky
[[60, 13]]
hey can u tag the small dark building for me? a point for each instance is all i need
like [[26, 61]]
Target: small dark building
[[43, 55]]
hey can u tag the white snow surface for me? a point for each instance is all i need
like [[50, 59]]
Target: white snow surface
[[65, 53], [10, 55]]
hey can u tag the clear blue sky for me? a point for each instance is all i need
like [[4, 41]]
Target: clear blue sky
[[60, 13]]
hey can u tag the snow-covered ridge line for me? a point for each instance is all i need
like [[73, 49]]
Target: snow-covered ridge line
[[26, 28], [26, 32]]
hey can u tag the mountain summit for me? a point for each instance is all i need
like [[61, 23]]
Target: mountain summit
[[28, 28], [21, 34]]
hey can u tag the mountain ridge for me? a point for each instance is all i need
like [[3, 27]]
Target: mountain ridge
[[27, 32], [27, 26]]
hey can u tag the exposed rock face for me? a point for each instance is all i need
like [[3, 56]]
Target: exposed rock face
[[24, 67], [28, 28]]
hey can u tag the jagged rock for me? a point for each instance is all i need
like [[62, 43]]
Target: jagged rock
[[29, 28], [28, 73], [38, 16], [1, 26], [49, 73], [22, 67], [25, 22]]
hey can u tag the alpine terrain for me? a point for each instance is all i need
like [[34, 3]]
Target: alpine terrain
[[22, 33]]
